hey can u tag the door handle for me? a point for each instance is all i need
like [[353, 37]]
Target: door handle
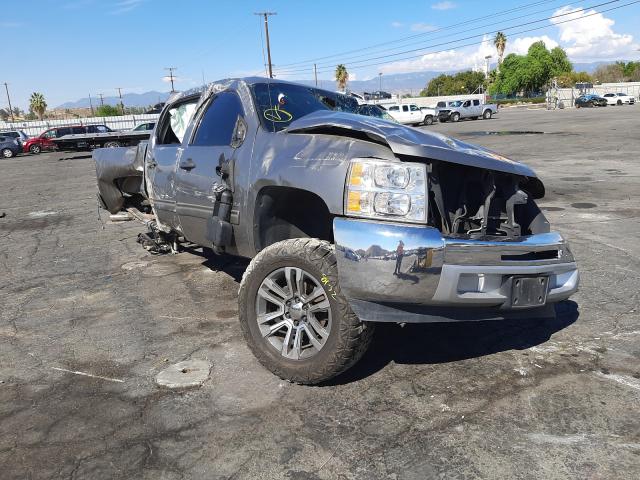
[[152, 163], [187, 164]]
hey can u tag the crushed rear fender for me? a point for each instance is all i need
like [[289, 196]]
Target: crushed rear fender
[[119, 171]]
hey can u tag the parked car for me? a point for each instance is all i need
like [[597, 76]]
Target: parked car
[[379, 95], [144, 126], [266, 169], [472, 108], [375, 111], [47, 140], [18, 134], [619, 99], [590, 100], [412, 114], [9, 146]]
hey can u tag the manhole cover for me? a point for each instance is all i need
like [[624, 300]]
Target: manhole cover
[[189, 373]]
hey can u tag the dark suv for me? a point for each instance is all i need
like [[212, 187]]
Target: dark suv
[[43, 141]]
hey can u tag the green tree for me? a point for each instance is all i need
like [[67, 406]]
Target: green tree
[[108, 111], [570, 79], [342, 77], [37, 104], [531, 72], [500, 42], [460, 83]]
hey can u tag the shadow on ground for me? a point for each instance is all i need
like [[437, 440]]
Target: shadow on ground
[[431, 343]]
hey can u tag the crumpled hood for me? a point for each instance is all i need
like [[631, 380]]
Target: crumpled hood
[[405, 140]]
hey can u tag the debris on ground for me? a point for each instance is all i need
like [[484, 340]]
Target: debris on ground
[[185, 374]]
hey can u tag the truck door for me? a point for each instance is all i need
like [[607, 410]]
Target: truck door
[[165, 148], [207, 158], [416, 114], [477, 108]]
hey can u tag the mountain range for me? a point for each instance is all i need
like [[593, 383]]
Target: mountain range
[[401, 83]]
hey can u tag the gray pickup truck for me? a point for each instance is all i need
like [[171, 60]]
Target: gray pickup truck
[[461, 109], [349, 220]]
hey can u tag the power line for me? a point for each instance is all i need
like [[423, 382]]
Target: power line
[[266, 16], [404, 39], [423, 52], [352, 58]]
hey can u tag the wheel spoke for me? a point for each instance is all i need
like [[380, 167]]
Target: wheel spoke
[[293, 283], [278, 326], [323, 305], [286, 341], [315, 327], [275, 288], [297, 344], [265, 293], [314, 295], [267, 317]]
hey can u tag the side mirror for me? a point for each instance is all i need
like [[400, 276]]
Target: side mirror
[[239, 132]]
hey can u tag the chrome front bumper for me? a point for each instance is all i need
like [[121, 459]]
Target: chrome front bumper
[[440, 271]]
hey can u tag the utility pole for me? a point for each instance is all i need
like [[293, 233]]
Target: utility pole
[[6, 86], [315, 73], [380, 78], [120, 95], [101, 99], [171, 77], [266, 16], [91, 106]]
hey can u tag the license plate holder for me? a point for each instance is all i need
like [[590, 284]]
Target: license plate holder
[[529, 291]]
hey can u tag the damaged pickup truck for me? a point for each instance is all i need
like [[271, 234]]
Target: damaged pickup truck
[[349, 220]]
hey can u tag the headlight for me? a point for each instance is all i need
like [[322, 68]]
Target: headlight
[[386, 190]]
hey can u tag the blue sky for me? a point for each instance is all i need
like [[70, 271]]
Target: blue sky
[[77, 47]]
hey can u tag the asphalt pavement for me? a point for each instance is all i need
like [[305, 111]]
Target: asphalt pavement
[[88, 319]]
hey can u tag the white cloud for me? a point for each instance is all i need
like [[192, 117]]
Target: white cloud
[[521, 45], [124, 6], [397, 24], [443, 6], [591, 38], [423, 27]]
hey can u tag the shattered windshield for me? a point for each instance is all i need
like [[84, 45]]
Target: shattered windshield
[[279, 104]]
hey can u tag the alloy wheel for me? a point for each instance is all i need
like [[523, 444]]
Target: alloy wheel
[[293, 313]]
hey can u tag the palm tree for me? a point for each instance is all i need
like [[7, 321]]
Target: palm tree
[[37, 104], [342, 77], [500, 41]]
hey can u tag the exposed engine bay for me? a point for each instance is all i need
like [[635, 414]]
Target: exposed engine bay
[[478, 203]]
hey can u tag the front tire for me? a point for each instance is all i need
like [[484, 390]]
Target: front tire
[[111, 144], [455, 117], [7, 153], [487, 114], [619, 102], [428, 120], [35, 149], [293, 315]]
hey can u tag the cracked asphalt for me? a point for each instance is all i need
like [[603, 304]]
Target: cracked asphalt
[[532, 399]]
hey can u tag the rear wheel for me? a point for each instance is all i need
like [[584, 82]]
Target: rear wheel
[[487, 114], [7, 153], [35, 149], [455, 117], [619, 102], [111, 144], [428, 120], [293, 315]]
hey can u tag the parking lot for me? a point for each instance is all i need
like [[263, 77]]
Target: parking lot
[[518, 399]]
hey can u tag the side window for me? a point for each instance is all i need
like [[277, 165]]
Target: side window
[[77, 130], [476, 102], [218, 121], [174, 122], [61, 132], [466, 104], [394, 109], [414, 108], [405, 108]]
